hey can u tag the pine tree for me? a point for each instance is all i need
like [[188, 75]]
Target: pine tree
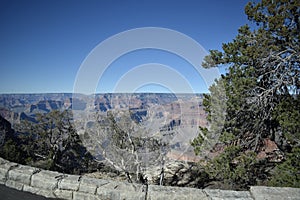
[[262, 84]]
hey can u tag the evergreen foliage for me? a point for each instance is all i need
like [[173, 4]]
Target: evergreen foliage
[[49, 143], [287, 173], [262, 88]]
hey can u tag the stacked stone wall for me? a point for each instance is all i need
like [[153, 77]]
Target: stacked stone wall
[[64, 186]]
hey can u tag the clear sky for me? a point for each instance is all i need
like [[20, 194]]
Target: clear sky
[[44, 42]]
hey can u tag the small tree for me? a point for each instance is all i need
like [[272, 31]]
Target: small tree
[[53, 143], [121, 142]]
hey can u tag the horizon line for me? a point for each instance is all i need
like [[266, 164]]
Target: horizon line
[[27, 93]]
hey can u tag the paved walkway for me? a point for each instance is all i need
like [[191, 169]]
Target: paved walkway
[[12, 194]]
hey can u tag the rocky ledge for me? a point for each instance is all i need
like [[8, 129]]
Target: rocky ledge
[[63, 186]]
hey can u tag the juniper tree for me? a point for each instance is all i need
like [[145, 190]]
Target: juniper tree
[[52, 143]]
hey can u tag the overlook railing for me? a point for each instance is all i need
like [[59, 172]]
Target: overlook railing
[[57, 185]]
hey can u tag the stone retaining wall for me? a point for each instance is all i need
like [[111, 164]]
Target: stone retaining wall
[[64, 186]]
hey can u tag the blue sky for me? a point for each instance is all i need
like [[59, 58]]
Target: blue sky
[[43, 43]]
